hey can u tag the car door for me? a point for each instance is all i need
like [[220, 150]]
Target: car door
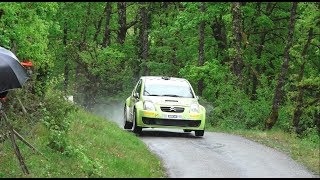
[[134, 98]]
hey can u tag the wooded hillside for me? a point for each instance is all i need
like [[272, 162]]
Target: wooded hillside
[[257, 63]]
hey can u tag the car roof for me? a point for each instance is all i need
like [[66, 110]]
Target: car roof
[[164, 78]]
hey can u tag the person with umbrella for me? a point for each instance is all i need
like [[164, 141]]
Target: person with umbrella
[[12, 73], [28, 65], [3, 94]]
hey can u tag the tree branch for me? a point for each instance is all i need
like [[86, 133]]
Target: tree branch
[[316, 45], [271, 9], [266, 31], [132, 23], [312, 103], [28, 144], [280, 18], [277, 36]]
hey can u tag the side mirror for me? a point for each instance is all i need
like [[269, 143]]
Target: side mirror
[[136, 95]]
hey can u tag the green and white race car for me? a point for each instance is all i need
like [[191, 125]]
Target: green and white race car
[[164, 102]]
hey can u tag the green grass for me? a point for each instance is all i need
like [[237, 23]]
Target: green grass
[[303, 151], [97, 148]]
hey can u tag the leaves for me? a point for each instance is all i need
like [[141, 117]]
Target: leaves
[[60, 39]]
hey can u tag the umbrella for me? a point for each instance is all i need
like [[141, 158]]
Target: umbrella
[[12, 73]]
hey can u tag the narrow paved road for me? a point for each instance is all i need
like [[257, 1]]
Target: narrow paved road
[[214, 155], [219, 155]]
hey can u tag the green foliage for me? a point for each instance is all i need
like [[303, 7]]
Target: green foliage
[[233, 109], [97, 148], [65, 42], [56, 118]]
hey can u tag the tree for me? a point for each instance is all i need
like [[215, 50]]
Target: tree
[[201, 47], [237, 33], [101, 48], [143, 37], [279, 93], [122, 19], [106, 39], [298, 110]]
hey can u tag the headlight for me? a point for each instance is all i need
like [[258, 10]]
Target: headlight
[[194, 108], [148, 106]]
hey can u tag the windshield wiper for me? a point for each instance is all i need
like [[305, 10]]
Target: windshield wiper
[[171, 95], [146, 92], [153, 95]]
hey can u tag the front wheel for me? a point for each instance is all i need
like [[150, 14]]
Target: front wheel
[[127, 125], [136, 129], [199, 132]]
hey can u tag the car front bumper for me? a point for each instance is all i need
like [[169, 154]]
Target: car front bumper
[[158, 119]]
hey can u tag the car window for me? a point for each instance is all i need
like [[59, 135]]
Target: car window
[[167, 88]]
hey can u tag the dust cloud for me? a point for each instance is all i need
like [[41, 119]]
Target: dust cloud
[[111, 110]]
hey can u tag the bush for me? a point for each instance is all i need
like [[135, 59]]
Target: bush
[[55, 117]]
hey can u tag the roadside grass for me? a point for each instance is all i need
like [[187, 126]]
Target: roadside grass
[[302, 151], [97, 148]]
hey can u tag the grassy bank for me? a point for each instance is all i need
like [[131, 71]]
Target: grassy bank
[[303, 151], [97, 148]]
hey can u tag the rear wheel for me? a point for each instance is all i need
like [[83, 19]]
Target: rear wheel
[[199, 132], [136, 129], [127, 125]]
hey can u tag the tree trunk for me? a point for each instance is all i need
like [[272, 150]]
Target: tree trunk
[[81, 45], [259, 50], [1, 12], [201, 48], [317, 120], [164, 6], [219, 32], [107, 32], [259, 53], [257, 68], [66, 64], [122, 9], [237, 33], [278, 94], [136, 64], [85, 29], [143, 34], [298, 110], [98, 27]]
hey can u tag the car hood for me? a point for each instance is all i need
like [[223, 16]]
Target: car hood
[[172, 101]]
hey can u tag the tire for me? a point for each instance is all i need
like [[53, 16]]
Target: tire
[[186, 130], [136, 129], [199, 132], [127, 125]]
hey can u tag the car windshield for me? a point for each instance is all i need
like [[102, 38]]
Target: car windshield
[[167, 88]]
